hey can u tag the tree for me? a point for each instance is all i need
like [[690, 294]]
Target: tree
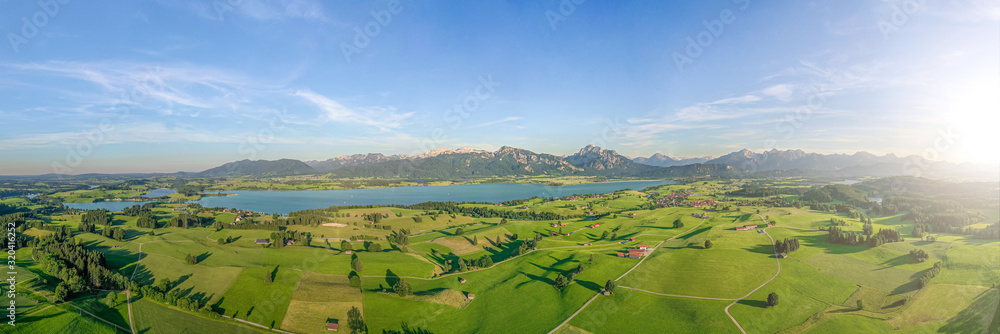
[[355, 321], [345, 245], [111, 299], [459, 231], [485, 262], [268, 277], [374, 247], [861, 304], [591, 258], [356, 264], [503, 221], [579, 268], [475, 240], [191, 259], [604, 235], [772, 299], [461, 265], [610, 286], [62, 290], [560, 282], [708, 244], [354, 279], [402, 288], [678, 223]]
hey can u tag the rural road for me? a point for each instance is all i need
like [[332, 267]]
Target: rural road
[[128, 298], [623, 275], [99, 318], [679, 296], [776, 260]]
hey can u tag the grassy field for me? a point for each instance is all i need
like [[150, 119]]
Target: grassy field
[[630, 311], [57, 320], [819, 285], [683, 267], [154, 318], [524, 283], [251, 298], [319, 298]]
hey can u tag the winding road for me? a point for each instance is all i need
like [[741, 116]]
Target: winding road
[[623, 275]]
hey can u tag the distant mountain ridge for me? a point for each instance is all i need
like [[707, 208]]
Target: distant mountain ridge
[[259, 168], [468, 163], [333, 164], [667, 161], [798, 159]]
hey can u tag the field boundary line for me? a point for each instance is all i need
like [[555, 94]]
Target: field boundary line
[[776, 260], [678, 296], [98, 318], [623, 275]]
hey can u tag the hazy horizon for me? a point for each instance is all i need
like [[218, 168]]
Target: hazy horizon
[[175, 86]]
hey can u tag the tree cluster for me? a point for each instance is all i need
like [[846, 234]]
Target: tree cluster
[[786, 246], [919, 255], [928, 275]]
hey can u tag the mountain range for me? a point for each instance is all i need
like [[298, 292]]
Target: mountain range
[[468, 163], [666, 161]]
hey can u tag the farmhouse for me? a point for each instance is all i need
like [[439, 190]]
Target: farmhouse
[[631, 239], [263, 241], [634, 253], [332, 326], [746, 227], [470, 296], [348, 252], [461, 280], [782, 255]]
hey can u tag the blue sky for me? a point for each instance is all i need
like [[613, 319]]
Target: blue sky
[[139, 86]]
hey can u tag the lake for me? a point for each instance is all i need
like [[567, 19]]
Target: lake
[[285, 201], [159, 192]]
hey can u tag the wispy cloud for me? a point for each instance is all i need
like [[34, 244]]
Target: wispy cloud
[[499, 121], [383, 118]]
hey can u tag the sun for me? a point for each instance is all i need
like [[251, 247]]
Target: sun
[[974, 123]]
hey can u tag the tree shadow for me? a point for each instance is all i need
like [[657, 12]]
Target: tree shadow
[[391, 278], [696, 232], [754, 303], [899, 260], [142, 275], [430, 292], [590, 285], [201, 257], [980, 317], [533, 279], [217, 307], [274, 272], [759, 249]]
